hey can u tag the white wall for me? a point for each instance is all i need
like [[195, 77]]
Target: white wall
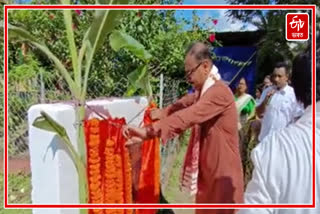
[[54, 178]]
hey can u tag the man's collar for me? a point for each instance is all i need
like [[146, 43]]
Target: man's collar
[[207, 84], [283, 90]]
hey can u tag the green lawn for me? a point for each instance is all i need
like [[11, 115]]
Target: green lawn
[[19, 192]]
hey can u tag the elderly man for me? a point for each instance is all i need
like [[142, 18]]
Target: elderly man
[[212, 168]]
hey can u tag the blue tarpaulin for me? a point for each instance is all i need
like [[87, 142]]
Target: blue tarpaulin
[[228, 71]]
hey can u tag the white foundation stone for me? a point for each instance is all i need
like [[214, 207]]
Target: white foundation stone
[[54, 177]]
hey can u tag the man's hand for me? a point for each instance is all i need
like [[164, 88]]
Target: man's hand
[[156, 114], [134, 135], [133, 141], [269, 95], [261, 108]]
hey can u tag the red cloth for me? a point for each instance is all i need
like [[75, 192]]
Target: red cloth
[[149, 178]]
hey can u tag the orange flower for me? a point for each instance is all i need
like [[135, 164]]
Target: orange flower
[[94, 163], [108, 165]]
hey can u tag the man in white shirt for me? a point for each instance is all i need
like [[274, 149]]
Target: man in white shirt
[[278, 103], [283, 160]]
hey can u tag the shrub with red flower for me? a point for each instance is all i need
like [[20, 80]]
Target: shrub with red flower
[[215, 21], [212, 37]]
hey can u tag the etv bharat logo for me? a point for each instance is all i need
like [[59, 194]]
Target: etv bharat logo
[[297, 26]]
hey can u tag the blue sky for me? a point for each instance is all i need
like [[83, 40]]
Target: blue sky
[[225, 23]]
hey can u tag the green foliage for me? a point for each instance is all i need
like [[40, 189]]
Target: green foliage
[[28, 70], [159, 33], [44, 24], [23, 90], [156, 30], [103, 22], [120, 40], [139, 78], [163, 37], [20, 34]]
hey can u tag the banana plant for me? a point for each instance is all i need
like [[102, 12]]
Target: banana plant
[[139, 78], [104, 22]]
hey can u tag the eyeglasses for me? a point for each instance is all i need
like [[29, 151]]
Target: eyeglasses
[[191, 71]]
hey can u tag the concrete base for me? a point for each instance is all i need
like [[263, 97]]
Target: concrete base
[[54, 177]]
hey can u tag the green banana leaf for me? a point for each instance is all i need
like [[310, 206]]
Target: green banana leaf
[[120, 40], [67, 15], [139, 79], [47, 123], [103, 23]]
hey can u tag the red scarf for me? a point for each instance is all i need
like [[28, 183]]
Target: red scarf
[[190, 169]]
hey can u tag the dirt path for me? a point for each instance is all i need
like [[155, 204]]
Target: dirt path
[[16, 164]]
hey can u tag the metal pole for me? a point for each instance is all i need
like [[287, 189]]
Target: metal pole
[[42, 93], [161, 91]]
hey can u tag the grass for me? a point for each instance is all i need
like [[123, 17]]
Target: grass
[[172, 192], [19, 188]]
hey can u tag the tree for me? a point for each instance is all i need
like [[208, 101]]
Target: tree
[[160, 34], [157, 30], [273, 47], [103, 22]]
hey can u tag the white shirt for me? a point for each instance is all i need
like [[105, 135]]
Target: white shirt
[[282, 110], [283, 168]]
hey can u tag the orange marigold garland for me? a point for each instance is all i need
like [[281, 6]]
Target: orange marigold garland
[[108, 165], [94, 164], [109, 172]]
